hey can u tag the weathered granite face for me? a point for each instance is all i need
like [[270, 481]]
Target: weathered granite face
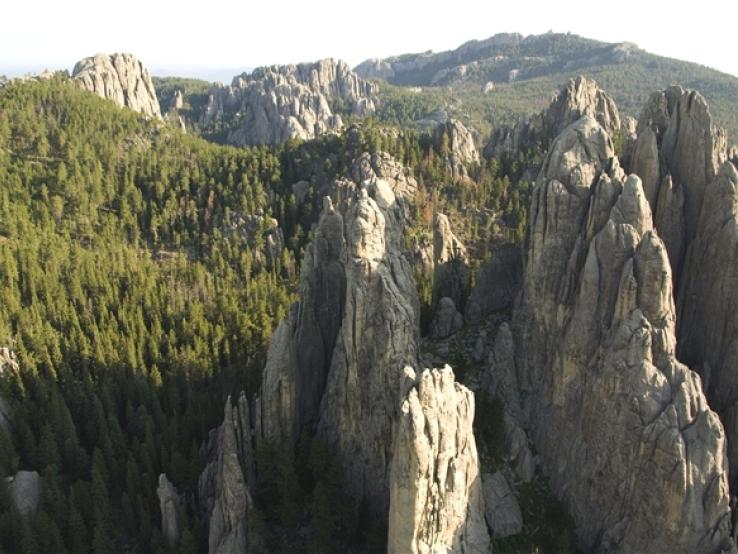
[[707, 306], [457, 143], [25, 488], [121, 78], [224, 487], [335, 364], [678, 150], [623, 429], [436, 502], [276, 103], [451, 274], [170, 506]]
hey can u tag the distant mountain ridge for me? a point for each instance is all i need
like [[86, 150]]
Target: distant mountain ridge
[[519, 73]]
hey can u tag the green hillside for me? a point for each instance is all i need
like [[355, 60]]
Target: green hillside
[[545, 63]]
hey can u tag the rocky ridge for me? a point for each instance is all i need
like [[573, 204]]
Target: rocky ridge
[[276, 103], [121, 78]]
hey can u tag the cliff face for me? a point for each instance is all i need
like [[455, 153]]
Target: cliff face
[[276, 103], [708, 324], [623, 429], [121, 78]]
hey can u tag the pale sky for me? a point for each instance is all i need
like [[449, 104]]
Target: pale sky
[[177, 36]]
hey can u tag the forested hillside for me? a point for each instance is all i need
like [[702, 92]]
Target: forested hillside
[[139, 285]]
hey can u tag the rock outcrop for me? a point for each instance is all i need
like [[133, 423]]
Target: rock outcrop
[[708, 309], [451, 275], [498, 282], [8, 365], [623, 429], [6, 416], [501, 507], [25, 489], [457, 144], [502, 384], [677, 152], [276, 103], [225, 484], [447, 319], [8, 361], [436, 502], [381, 165], [170, 506], [580, 97], [335, 365], [121, 78]]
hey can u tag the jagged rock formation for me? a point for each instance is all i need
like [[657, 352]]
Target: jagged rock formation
[[121, 78], [224, 485], [447, 319], [276, 103], [170, 506], [677, 153], [258, 228], [335, 364], [457, 143], [580, 97], [381, 165], [623, 429], [436, 502], [451, 276], [25, 489], [708, 311], [501, 507], [498, 282]]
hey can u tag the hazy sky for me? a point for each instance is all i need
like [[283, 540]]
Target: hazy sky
[[230, 34]]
